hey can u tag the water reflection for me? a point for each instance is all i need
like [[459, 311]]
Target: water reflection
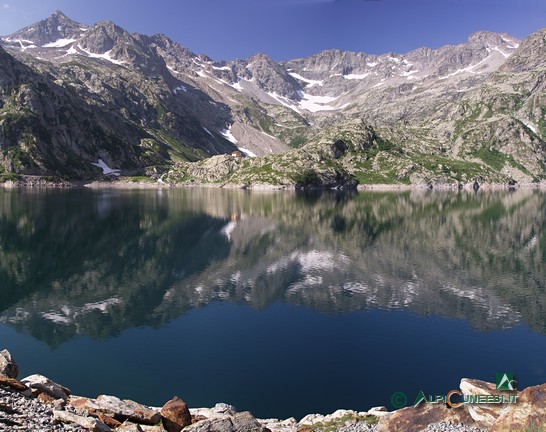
[[99, 262]]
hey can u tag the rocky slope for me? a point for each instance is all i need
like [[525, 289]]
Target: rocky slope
[[145, 105]]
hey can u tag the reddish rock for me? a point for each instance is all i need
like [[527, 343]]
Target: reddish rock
[[123, 410], [415, 419], [528, 413], [108, 420], [78, 402], [50, 400], [12, 383], [175, 415], [196, 418]]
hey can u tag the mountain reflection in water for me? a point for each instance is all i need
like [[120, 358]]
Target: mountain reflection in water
[[99, 262]]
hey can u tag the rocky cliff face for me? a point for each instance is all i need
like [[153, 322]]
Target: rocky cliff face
[[449, 114]]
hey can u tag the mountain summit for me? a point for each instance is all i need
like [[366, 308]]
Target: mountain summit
[[448, 114], [55, 28]]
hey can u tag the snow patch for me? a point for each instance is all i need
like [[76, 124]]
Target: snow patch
[[310, 82], [237, 86], [180, 88], [226, 68], [105, 56], [372, 64], [229, 136], [59, 43], [530, 126], [356, 76], [408, 73], [21, 43], [207, 131], [106, 169], [316, 103], [283, 101], [505, 55], [469, 69], [247, 152]]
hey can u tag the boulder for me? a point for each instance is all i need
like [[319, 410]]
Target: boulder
[[175, 415], [379, 411], [79, 403], [108, 420], [121, 410], [8, 367], [88, 423], [486, 414], [212, 424], [276, 425], [50, 400], [240, 422], [129, 427], [416, 418], [12, 383], [528, 413], [41, 384], [245, 422], [311, 419], [223, 408]]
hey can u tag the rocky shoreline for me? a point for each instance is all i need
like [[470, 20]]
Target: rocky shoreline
[[128, 183], [38, 404]]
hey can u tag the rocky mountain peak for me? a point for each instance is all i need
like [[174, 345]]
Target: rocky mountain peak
[[491, 38], [50, 30], [272, 77], [103, 36], [531, 54]]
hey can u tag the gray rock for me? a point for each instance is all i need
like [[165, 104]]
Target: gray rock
[[485, 414], [223, 408], [8, 367], [213, 424], [239, 422], [41, 384], [129, 427], [89, 423]]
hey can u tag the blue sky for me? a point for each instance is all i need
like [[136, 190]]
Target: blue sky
[[284, 29]]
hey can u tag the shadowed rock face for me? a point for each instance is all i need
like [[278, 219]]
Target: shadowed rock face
[[99, 263]]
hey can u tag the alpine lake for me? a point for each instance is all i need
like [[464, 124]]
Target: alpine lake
[[280, 303]]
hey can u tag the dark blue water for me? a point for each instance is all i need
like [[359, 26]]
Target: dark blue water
[[276, 303]]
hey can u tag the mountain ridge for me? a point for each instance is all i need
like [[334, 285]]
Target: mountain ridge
[[178, 106]]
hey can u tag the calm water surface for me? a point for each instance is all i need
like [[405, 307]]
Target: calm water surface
[[277, 303]]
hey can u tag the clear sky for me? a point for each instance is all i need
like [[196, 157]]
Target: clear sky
[[284, 29]]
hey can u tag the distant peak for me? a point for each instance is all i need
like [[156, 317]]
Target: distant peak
[[489, 36], [59, 15]]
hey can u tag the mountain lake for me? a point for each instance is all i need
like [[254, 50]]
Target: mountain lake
[[279, 303]]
